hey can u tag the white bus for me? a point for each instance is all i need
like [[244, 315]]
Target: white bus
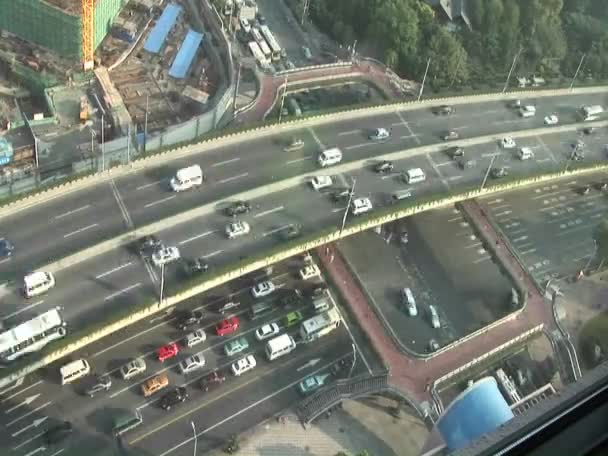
[[272, 42], [32, 335], [279, 346], [258, 54], [591, 112], [320, 325], [255, 33]]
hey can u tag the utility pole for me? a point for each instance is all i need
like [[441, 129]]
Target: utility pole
[[36, 151], [428, 63], [162, 284], [128, 144], [485, 178], [353, 51], [146, 122], [305, 10], [350, 198], [195, 438], [283, 99], [103, 146], [580, 64], [236, 87], [511, 70]]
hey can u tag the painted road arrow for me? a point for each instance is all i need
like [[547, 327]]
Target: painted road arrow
[[310, 363], [34, 424], [26, 401]]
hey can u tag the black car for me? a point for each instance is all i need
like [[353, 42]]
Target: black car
[[58, 433], [497, 173], [173, 397], [384, 167], [195, 266], [148, 245], [455, 152], [443, 110], [291, 232], [98, 383], [340, 195], [238, 208], [189, 319], [6, 248], [588, 130]]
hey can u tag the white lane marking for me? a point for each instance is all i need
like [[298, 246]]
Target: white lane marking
[[543, 160], [500, 214], [525, 245], [548, 194], [123, 291], [134, 336], [36, 423], [225, 162], [38, 450], [79, 230], [33, 385], [58, 452], [198, 236], [118, 268], [502, 206], [212, 254], [16, 420], [350, 132], [316, 138], [339, 209], [455, 219], [477, 244], [121, 205], [496, 201], [357, 146], [276, 230], [151, 184], [160, 201], [25, 442], [446, 163], [481, 259], [65, 214], [5, 260], [454, 178], [408, 136], [230, 179], [22, 310], [526, 252], [298, 160], [490, 154], [521, 238], [269, 211]]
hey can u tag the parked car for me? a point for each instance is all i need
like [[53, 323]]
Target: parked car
[[434, 316], [360, 206], [498, 173], [384, 167], [455, 152], [263, 289], [443, 110], [227, 326], [508, 143], [148, 245], [551, 120], [236, 346], [451, 135], [211, 380], [97, 384], [293, 318], [167, 352], [192, 363], [194, 338], [267, 331], [321, 182], [309, 271], [195, 266], [238, 208], [174, 397], [165, 255], [379, 134], [58, 433], [312, 383], [189, 319], [237, 228], [132, 368], [341, 195], [243, 365]]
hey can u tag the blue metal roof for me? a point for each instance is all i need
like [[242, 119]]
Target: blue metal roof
[[186, 54], [477, 410], [159, 33]]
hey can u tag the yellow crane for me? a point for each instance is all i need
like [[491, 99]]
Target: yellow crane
[[88, 33]]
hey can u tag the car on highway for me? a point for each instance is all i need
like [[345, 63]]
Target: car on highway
[[6, 248], [498, 173], [407, 297], [192, 363], [267, 331], [195, 338], [433, 345], [262, 289], [148, 245], [97, 384], [174, 397], [443, 110], [132, 368], [340, 195], [312, 383], [236, 346], [189, 319], [321, 182], [243, 365], [227, 326], [551, 120], [167, 352], [292, 318], [58, 433], [165, 255], [195, 266], [223, 307], [508, 143], [384, 167], [211, 380], [455, 152], [309, 271], [584, 190], [295, 144], [360, 206], [601, 186], [291, 231], [378, 134], [451, 135], [238, 208], [588, 130], [434, 316], [237, 228]]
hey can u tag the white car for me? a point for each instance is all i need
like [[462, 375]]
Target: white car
[[133, 368], [435, 323], [266, 331], [551, 120], [165, 255], [243, 365], [508, 143], [195, 338], [237, 228], [263, 289], [319, 182], [360, 206], [379, 134], [245, 25], [310, 271], [192, 363]]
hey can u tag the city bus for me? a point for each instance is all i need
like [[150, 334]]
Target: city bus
[[320, 325], [591, 112], [272, 43], [255, 33], [258, 54], [31, 335], [279, 346]]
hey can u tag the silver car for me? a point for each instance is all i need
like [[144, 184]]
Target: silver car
[[195, 338], [192, 363], [133, 368]]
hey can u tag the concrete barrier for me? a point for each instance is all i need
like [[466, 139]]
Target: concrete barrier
[[288, 126]]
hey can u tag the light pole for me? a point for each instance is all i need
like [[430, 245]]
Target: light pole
[[352, 368], [511, 70], [350, 198], [162, 284], [36, 151], [103, 148], [428, 63], [485, 178], [195, 438], [580, 64], [129, 144], [283, 99], [305, 10], [146, 122]]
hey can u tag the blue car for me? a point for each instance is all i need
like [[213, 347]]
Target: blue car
[[6, 248]]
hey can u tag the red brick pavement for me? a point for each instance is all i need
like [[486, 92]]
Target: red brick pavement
[[413, 375]]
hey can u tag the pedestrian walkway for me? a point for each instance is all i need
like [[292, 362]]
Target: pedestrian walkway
[[414, 376]]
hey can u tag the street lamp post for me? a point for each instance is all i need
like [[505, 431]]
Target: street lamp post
[[580, 64], [511, 70], [146, 121], [162, 284], [428, 63], [485, 178], [352, 368], [195, 438], [103, 148], [350, 198], [283, 99]]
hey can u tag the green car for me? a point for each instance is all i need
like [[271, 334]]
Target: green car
[[236, 346], [312, 383], [293, 318]]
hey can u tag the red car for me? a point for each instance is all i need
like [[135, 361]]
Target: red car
[[167, 351], [227, 326]]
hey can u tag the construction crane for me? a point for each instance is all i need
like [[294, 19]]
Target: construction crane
[[88, 33]]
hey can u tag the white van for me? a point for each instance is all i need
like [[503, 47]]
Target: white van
[[321, 304], [37, 283], [330, 157], [74, 370], [525, 153], [414, 175], [408, 300], [279, 346], [186, 178], [527, 111]]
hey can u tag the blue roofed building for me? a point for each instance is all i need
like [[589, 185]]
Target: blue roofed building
[[187, 52], [163, 26]]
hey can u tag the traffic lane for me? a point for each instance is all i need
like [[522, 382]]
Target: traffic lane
[[249, 392], [562, 144]]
